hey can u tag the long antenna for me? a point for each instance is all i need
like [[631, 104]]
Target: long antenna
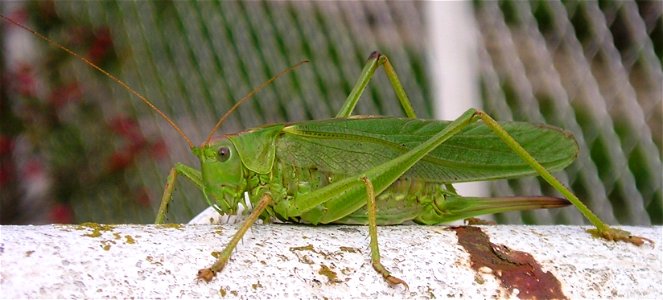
[[120, 82], [247, 97]]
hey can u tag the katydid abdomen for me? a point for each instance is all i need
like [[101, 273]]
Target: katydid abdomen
[[407, 199]]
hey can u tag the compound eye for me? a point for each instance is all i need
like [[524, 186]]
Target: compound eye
[[224, 153]]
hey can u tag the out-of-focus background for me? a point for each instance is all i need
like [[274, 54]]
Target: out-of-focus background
[[75, 146]]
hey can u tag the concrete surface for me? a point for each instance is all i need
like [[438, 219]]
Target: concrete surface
[[296, 261]]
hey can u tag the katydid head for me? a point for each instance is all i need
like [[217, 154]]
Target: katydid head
[[228, 166], [222, 174]]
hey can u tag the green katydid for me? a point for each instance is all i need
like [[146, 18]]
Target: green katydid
[[330, 171], [371, 170]]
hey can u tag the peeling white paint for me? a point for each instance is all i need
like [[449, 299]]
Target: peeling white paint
[[60, 261]]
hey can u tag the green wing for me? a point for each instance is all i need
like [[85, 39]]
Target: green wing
[[350, 146]]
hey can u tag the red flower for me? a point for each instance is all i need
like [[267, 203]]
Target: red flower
[[159, 150], [33, 169], [62, 213], [120, 160], [143, 198], [6, 145], [19, 16], [101, 45], [127, 128], [65, 94], [25, 83]]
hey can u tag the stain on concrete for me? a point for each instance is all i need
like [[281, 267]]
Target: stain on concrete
[[516, 270]]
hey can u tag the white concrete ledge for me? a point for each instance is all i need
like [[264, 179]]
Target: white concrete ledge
[[276, 261]]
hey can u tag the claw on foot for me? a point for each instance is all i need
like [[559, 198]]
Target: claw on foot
[[206, 274], [613, 234], [392, 280]]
